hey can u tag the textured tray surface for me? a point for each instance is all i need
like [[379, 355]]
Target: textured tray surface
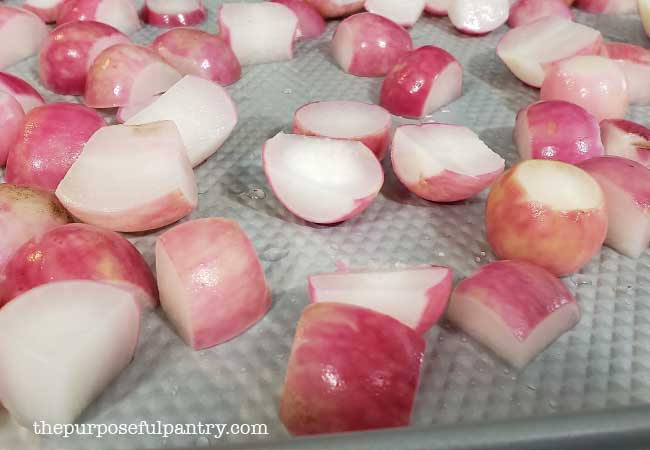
[[604, 362]]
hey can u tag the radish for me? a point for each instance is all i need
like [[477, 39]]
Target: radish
[[62, 344], [149, 196], [126, 112], [22, 32], [11, 124], [47, 10], [437, 7], [443, 163], [478, 16], [404, 14], [366, 123], [523, 12], [634, 61], [626, 139], [173, 13], [120, 14], [322, 180], [22, 91], [331, 9], [608, 6], [310, 23], [514, 308]]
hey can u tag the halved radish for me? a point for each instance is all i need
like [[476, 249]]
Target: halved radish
[[173, 13], [120, 14], [363, 122], [437, 7], [608, 6], [322, 180], [404, 14], [336, 8], [11, 124], [24, 93], [478, 16], [113, 183], [310, 23], [626, 139], [47, 10], [523, 12], [634, 61], [126, 112], [22, 32]]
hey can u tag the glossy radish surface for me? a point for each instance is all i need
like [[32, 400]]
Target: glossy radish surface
[[22, 91], [523, 12], [634, 61], [404, 14], [626, 139], [478, 16], [22, 32], [310, 23], [120, 14], [173, 13], [336, 8]]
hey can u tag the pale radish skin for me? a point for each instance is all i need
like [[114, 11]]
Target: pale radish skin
[[644, 12], [634, 61], [437, 7], [173, 13], [258, 32], [557, 130], [608, 6], [369, 124], [514, 308], [18, 25], [22, 91], [108, 185], [47, 10], [212, 284], [126, 112], [63, 330], [195, 52], [331, 9], [69, 51], [310, 23], [529, 217], [11, 124], [523, 12], [350, 369], [48, 145], [478, 17], [443, 163], [596, 83], [202, 110], [626, 139], [120, 14], [531, 50], [416, 296], [422, 82], [369, 45], [125, 74], [321, 180], [404, 14]]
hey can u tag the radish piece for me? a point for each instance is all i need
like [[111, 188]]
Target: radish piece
[[310, 23], [69, 51], [514, 308], [11, 124], [48, 145], [195, 52], [258, 32], [331, 9], [530, 217], [202, 110], [350, 369], [120, 14], [368, 45], [47, 10], [523, 12], [404, 14], [443, 163], [81, 334], [437, 7], [149, 196], [126, 112], [530, 50], [644, 12], [79, 252], [22, 32], [626, 139], [22, 91], [425, 80], [212, 285], [366, 123], [478, 16], [173, 13], [417, 297], [125, 74], [608, 6], [634, 61], [597, 84], [557, 130]]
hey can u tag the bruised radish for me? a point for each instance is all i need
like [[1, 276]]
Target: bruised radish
[[478, 16], [126, 112], [437, 7], [22, 33], [366, 123], [608, 6], [149, 196], [47, 10], [173, 13], [120, 14], [634, 61], [523, 12], [331, 9], [322, 180], [310, 23], [11, 124], [404, 14], [22, 91], [626, 139]]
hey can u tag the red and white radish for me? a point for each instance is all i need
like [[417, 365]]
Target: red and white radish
[[523, 12], [11, 124], [626, 139], [608, 6], [173, 13], [634, 61], [644, 12], [120, 14], [22, 32], [437, 7], [47, 10], [404, 13], [331, 9], [126, 112], [22, 91], [478, 16], [310, 23]]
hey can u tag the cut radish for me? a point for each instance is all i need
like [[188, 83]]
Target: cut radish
[[523, 12], [195, 52], [310, 23], [125, 74], [608, 6], [120, 14], [62, 344], [369, 45], [331, 9], [69, 51], [322, 180], [126, 112], [350, 369], [437, 7], [366, 123], [478, 16], [113, 183], [404, 14], [416, 297], [22, 91], [173, 13], [11, 124], [201, 109], [22, 32], [530, 50], [626, 139], [425, 80], [634, 61], [258, 32], [644, 12], [212, 285], [443, 163], [514, 308], [47, 10]]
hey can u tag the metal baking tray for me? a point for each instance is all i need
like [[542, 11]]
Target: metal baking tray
[[591, 389]]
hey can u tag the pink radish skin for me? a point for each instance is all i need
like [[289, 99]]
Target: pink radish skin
[[321, 180], [310, 23], [422, 82], [18, 25], [79, 252], [514, 308], [126, 74], [634, 61], [523, 12], [593, 82], [69, 51], [195, 52], [22, 91], [147, 199], [126, 112], [47, 10], [644, 12], [174, 13], [443, 163], [424, 289], [120, 14], [404, 14], [626, 139], [366, 123], [369, 45], [437, 7], [557, 130], [478, 17], [212, 285], [350, 369], [332, 9], [608, 6], [48, 146], [11, 124]]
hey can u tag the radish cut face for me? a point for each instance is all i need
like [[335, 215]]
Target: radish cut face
[[626, 139], [478, 16], [47, 10], [322, 180], [126, 112], [173, 13], [120, 14], [22, 91], [22, 31], [404, 14]]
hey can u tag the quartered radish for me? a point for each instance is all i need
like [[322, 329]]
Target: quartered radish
[[626, 139], [11, 124], [47, 10], [608, 6], [22, 33], [120, 14], [310, 23], [634, 61], [336, 8], [22, 91], [404, 13], [126, 112], [523, 12], [173, 13], [437, 7], [478, 16]]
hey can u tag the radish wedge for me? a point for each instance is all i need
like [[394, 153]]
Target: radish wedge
[[626, 139], [404, 14], [478, 16], [120, 14], [173, 13], [22, 33], [22, 91]]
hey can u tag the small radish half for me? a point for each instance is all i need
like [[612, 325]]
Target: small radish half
[[120, 14], [404, 13], [22, 33], [478, 16], [22, 91], [47, 10], [173, 13]]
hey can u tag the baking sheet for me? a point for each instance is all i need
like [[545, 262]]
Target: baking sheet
[[603, 363]]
